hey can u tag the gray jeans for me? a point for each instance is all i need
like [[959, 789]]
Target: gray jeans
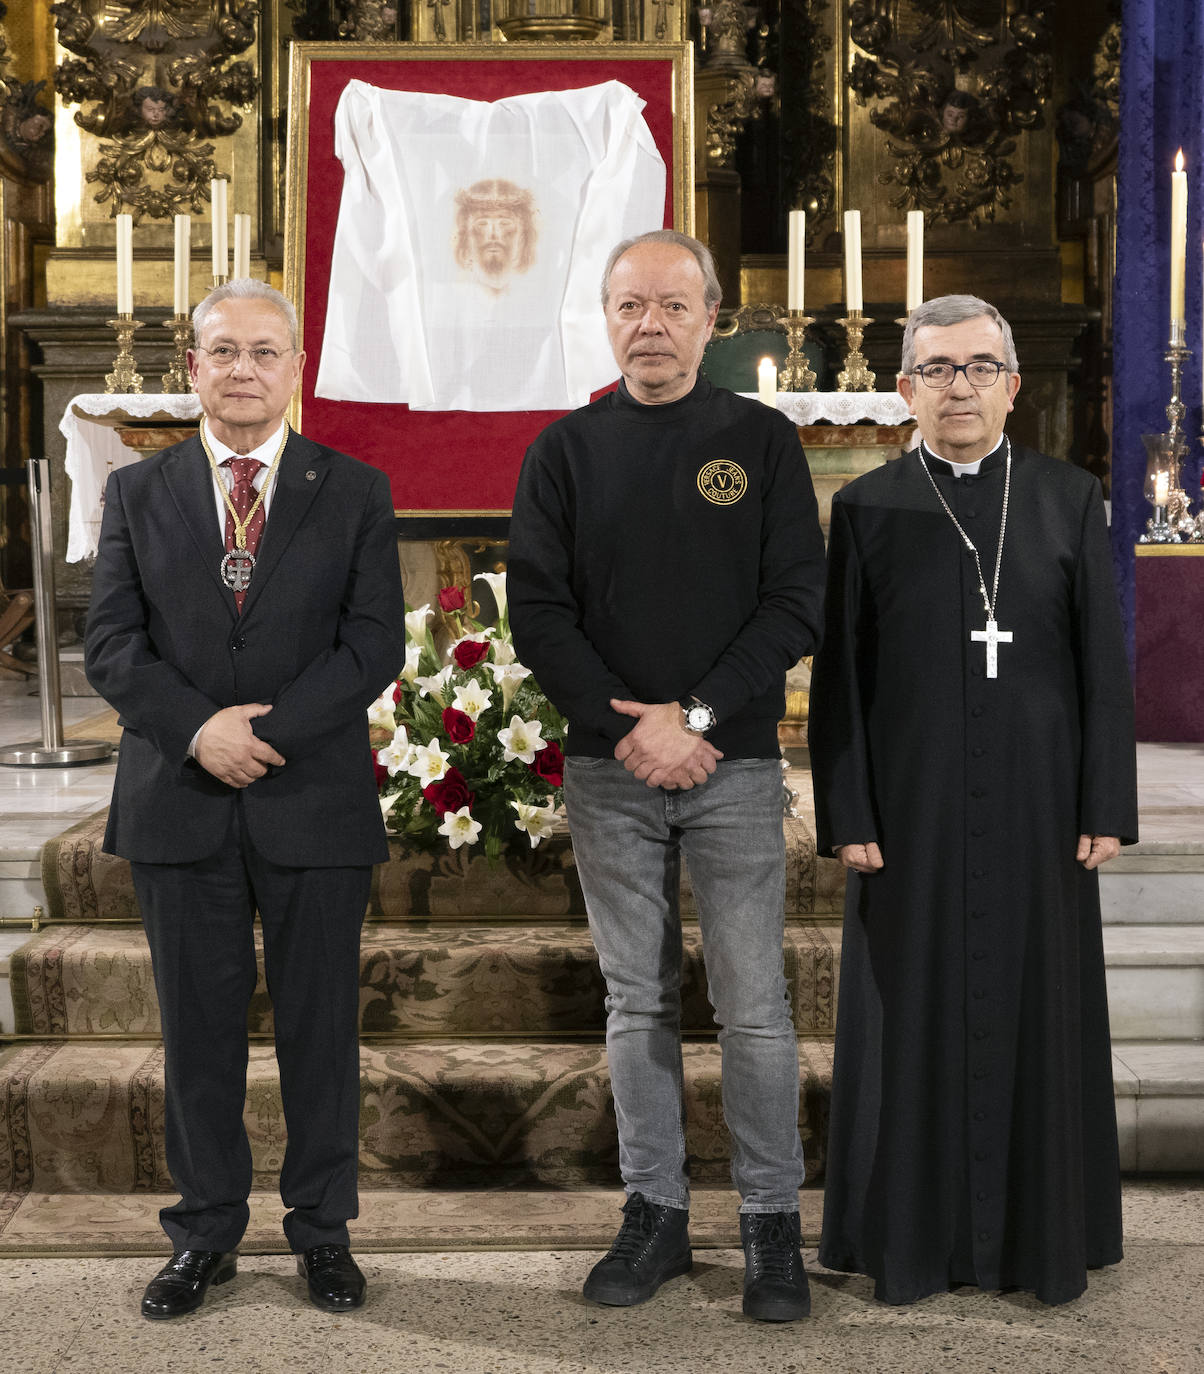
[[629, 840]]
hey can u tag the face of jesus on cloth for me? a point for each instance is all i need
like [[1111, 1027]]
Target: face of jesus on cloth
[[960, 423], [245, 401], [495, 231], [657, 320]]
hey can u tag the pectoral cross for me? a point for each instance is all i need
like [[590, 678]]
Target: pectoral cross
[[992, 637]]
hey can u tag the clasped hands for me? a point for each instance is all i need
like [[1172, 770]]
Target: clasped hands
[[1092, 851], [660, 751], [228, 748]]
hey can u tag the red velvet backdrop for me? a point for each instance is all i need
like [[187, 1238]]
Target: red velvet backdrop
[[439, 461]]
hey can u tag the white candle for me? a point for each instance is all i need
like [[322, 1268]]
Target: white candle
[[915, 259], [1178, 239], [182, 262], [217, 205], [852, 261], [125, 264], [242, 245], [767, 382], [1162, 488], [795, 260]]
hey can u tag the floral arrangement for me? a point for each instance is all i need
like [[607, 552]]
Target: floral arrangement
[[468, 750]]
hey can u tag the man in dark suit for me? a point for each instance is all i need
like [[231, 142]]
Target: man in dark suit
[[242, 675]]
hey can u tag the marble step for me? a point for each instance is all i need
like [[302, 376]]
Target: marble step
[[417, 978], [1160, 1105], [1155, 981], [88, 1118], [1153, 889]]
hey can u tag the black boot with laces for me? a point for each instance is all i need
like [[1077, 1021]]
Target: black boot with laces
[[775, 1283], [653, 1245]]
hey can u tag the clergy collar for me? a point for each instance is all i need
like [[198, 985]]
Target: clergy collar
[[266, 451], [943, 466]]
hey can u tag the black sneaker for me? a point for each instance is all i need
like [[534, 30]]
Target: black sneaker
[[653, 1245], [775, 1283]]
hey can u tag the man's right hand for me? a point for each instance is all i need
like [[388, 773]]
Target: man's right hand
[[862, 858], [228, 748]]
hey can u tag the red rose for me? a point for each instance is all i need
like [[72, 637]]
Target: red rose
[[460, 728], [469, 652], [380, 770], [450, 793], [451, 598], [549, 764]]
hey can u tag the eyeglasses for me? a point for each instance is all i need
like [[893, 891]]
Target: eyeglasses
[[941, 375], [224, 356]]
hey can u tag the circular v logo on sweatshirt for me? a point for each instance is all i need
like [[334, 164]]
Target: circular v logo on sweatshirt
[[722, 482]]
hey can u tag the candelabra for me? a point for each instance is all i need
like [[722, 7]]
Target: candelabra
[[856, 375], [124, 379], [220, 278], [1171, 522], [175, 379], [796, 374]]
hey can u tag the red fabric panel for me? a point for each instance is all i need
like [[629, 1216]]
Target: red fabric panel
[[439, 460], [1170, 649]]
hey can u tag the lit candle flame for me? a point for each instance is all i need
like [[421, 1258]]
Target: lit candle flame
[[1179, 160]]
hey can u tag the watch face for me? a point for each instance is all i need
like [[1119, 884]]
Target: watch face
[[698, 718]]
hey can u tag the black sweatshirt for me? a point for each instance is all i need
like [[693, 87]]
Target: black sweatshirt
[[659, 552]]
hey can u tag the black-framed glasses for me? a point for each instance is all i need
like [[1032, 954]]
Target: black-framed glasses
[[226, 355], [979, 374]]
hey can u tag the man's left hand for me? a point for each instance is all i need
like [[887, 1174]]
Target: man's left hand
[[660, 750], [1094, 850]]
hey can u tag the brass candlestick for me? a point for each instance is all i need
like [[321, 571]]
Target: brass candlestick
[[796, 374], [222, 279], [1177, 353], [124, 379], [856, 375], [176, 380]]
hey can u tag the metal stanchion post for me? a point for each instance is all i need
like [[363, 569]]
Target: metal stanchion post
[[51, 752]]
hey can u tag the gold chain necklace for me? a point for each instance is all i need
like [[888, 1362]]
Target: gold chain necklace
[[239, 563]]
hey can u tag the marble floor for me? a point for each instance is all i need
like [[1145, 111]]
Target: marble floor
[[522, 1313]]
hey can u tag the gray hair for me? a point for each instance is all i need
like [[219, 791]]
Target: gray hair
[[245, 289], [942, 311], [712, 292]]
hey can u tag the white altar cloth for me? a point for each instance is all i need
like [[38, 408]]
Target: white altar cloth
[[842, 407]]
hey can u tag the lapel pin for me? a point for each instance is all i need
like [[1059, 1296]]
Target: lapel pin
[[311, 475]]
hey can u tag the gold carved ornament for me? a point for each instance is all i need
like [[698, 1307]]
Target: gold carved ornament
[[26, 125], [155, 79], [953, 95]]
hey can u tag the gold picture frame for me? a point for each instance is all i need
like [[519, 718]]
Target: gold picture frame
[[477, 453]]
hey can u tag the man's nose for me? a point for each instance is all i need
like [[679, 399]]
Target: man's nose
[[242, 365], [651, 322], [960, 386]]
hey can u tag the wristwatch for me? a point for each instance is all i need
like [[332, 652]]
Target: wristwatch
[[699, 716]]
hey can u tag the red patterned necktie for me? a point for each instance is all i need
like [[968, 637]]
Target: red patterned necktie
[[243, 498]]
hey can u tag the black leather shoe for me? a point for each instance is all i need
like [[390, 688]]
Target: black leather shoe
[[653, 1245], [775, 1283], [335, 1281], [180, 1286]]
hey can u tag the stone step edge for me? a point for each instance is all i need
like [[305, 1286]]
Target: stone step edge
[[1158, 1068], [1137, 945]]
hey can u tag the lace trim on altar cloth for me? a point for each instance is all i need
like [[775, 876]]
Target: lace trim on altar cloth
[[841, 407]]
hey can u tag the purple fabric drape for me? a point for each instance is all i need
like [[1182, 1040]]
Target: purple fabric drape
[[1161, 110]]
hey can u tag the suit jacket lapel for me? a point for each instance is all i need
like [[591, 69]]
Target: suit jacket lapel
[[190, 482], [303, 468]]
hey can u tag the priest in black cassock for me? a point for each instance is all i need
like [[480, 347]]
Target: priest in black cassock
[[971, 728]]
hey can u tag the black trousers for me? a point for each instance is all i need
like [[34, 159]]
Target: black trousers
[[199, 921]]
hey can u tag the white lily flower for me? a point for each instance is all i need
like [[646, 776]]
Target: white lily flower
[[522, 739], [434, 685], [503, 651], [429, 763], [497, 585], [459, 827], [388, 803], [413, 656], [398, 754], [416, 622], [535, 821], [380, 713], [471, 698], [508, 676]]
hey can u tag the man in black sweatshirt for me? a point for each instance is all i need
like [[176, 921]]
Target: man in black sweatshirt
[[666, 569]]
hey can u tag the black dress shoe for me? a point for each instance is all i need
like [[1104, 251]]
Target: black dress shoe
[[653, 1245], [335, 1281], [775, 1282], [180, 1286]]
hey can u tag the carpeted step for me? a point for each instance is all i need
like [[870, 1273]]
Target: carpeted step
[[419, 978], [83, 884], [88, 1118]]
